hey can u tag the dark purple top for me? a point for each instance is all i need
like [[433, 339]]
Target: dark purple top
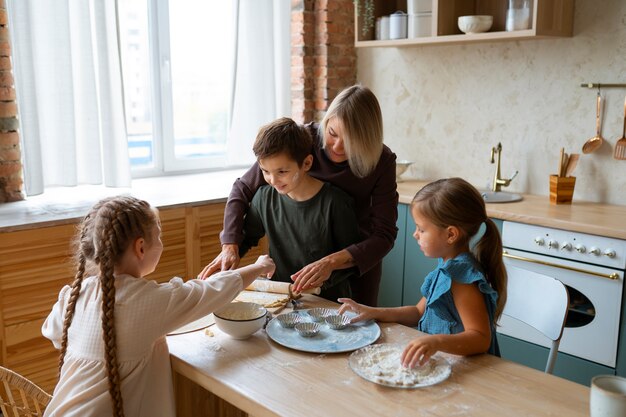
[[375, 198]]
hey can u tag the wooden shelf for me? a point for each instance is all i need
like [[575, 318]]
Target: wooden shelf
[[549, 18]]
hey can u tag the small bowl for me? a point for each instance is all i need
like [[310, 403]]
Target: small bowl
[[289, 320], [240, 320], [318, 314], [307, 329], [401, 167], [337, 321], [475, 24]]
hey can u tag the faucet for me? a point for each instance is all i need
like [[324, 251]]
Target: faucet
[[498, 182]]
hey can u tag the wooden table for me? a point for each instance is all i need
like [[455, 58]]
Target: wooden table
[[262, 378]]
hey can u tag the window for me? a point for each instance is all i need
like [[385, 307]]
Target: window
[[177, 69]]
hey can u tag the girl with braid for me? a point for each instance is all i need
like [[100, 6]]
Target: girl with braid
[[110, 324], [464, 296]]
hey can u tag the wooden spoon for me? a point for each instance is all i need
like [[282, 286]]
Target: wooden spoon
[[596, 141], [571, 164]]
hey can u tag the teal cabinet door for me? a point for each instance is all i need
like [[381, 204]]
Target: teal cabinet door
[[390, 292]]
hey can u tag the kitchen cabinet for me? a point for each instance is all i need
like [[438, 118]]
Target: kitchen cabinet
[[36, 263], [549, 18]]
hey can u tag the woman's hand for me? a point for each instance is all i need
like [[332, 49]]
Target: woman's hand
[[312, 275], [362, 311], [227, 259], [267, 263], [419, 351]]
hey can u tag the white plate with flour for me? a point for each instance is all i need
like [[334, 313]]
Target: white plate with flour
[[381, 364]]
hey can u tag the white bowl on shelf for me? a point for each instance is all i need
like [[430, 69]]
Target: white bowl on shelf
[[475, 24]]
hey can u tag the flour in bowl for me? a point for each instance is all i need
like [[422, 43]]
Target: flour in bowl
[[381, 364]]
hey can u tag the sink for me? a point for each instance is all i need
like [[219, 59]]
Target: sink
[[500, 197]]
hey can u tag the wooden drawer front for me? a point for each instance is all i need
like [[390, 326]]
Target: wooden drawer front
[[34, 266], [31, 354], [173, 259]]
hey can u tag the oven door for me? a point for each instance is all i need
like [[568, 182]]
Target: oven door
[[592, 326]]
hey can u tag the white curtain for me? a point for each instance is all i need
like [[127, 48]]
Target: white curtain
[[70, 97], [262, 74]]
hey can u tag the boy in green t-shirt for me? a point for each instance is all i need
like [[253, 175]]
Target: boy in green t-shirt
[[304, 218]]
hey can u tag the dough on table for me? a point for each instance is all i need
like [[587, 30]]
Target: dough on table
[[266, 299]]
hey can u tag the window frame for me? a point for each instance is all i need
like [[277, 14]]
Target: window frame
[[165, 161]]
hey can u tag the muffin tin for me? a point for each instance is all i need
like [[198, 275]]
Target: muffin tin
[[307, 329], [319, 314], [289, 320], [310, 322], [337, 321]]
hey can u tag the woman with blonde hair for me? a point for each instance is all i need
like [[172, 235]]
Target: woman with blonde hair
[[349, 153]]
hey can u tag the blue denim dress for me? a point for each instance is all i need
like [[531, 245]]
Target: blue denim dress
[[441, 315]]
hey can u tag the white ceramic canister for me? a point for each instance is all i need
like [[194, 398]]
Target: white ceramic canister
[[420, 25], [397, 25], [419, 6], [383, 33]]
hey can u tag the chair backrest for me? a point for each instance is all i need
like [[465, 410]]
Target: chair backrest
[[539, 301], [20, 396]]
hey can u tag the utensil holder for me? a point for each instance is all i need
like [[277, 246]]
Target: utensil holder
[[561, 189]]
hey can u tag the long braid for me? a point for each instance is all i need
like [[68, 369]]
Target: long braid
[[107, 281], [85, 250]]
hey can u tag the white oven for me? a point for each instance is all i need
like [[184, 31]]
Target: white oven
[[591, 267]]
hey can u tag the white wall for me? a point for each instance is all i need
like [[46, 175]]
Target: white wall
[[444, 107]]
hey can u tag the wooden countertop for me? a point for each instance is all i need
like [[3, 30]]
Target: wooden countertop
[[580, 216], [265, 379]]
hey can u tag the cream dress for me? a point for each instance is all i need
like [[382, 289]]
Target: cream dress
[[145, 311]]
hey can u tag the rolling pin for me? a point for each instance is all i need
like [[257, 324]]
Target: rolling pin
[[266, 285]]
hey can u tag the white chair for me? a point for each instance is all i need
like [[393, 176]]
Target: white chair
[[20, 396], [539, 301]]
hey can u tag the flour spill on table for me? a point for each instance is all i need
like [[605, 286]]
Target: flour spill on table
[[382, 364]]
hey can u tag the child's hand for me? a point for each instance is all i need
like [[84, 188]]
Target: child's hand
[[419, 351], [267, 263], [363, 312]]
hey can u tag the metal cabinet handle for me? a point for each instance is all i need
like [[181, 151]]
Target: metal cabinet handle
[[612, 276]]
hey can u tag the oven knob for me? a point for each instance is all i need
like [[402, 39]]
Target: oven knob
[[539, 241], [580, 248], [566, 246], [594, 251], [553, 244], [610, 253]]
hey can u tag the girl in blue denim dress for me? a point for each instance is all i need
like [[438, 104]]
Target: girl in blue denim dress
[[464, 296]]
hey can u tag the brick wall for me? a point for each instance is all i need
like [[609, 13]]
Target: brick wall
[[11, 180], [323, 58]]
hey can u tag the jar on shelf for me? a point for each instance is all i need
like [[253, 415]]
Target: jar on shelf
[[518, 15]]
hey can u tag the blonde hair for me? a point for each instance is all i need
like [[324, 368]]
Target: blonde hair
[[103, 236], [455, 202], [358, 111]]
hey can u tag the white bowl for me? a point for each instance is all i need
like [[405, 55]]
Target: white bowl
[[240, 320], [475, 24], [401, 167]]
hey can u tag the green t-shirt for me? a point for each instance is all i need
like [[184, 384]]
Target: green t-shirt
[[301, 232]]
